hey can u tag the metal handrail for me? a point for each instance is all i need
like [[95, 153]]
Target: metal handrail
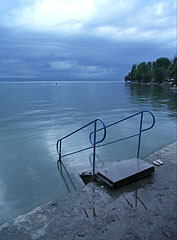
[[131, 136], [59, 142], [94, 142]]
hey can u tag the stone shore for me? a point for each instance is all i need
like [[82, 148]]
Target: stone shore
[[146, 209]]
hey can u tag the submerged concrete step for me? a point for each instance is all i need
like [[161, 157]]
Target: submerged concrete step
[[125, 171]]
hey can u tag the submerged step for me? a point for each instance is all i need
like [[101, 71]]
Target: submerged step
[[125, 171]]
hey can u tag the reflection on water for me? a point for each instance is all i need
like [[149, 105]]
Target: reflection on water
[[91, 212], [65, 176], [33, 116], [133, 195], [158, 97], [132, 198], [136, 200], [128, 193]]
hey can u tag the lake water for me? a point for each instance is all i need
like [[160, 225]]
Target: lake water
[[34, 115]]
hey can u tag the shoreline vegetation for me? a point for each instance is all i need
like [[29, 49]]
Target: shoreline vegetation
[[160, 72]]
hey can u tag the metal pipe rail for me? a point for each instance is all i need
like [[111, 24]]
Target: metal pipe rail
[[131, 136], [94, 142], [59, 142]]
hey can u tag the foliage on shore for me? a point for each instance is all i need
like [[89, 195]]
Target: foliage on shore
[[158, 71]]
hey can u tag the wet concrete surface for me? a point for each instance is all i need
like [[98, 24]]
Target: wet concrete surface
[[146, 209]]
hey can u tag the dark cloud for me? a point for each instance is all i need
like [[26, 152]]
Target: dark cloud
[[42, 55], [104, 47]]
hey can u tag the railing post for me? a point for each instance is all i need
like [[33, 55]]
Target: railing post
[[139, 140], [60, 152], [94, 148]]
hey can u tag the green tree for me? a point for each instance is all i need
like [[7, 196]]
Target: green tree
[[172, 70], [160, 69], [162, 62], [149, 65], [146, 77], [128, 77], [133, 72], [144, 72], [159, 74]]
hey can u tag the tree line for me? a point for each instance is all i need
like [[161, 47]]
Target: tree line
[[158, 71]]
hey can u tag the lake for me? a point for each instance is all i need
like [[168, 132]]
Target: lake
[[33, 115]]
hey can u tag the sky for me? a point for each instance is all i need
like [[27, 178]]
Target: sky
[[83, 39]]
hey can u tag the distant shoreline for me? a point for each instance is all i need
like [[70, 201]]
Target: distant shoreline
[[58, 82], [152, 84]]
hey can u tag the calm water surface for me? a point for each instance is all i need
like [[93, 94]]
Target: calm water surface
[[34, 115]]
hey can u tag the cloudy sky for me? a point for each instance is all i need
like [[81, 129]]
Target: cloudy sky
[[83, 39]]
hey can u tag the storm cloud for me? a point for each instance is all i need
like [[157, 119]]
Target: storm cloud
[[79, 39]]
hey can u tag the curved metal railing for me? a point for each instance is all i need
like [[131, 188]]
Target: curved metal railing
[[95, 141], [93, 136], [131, 136]]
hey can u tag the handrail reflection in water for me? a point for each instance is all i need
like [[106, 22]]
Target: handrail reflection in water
[[62, 167]]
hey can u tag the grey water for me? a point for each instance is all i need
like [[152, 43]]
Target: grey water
[[33, 115]]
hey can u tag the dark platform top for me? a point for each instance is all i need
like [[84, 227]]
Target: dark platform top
[[124, 169]]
